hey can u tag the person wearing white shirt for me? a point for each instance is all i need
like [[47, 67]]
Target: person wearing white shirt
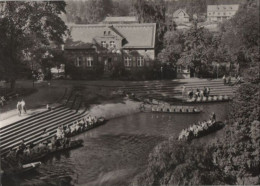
[[23, 106]]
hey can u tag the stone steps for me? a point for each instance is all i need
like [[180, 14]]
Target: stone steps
[[32, 128], [173, 89]]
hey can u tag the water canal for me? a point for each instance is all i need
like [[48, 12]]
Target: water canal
[[113, 154]]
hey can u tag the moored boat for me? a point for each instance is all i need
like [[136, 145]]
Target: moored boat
[[208, 99], [172, 109], [84, 128], [200, 130], [22, 169], [43, 150]]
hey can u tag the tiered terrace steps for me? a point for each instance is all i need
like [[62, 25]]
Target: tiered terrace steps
[[173, 89], [31, 128]]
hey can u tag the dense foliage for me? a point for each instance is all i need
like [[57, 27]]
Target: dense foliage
[[201, 49], [153, 12], [234, 159], [27, 29], [94, 11]]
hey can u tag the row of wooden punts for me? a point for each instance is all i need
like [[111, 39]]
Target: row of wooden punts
[[171, 109], [100, 121], [208, 99], [188, 134], [21, 163]]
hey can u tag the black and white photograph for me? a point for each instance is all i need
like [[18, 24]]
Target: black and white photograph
[[129, 92]]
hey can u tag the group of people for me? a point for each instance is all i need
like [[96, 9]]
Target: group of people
[[60, 139], [198, 128], [21, 107], [205, 92], [25, 152], [76, 127], [227, 80]]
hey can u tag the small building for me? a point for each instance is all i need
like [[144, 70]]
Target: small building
[[181, 16], [120, 20], [183, 68], [183, 72], [104, 45], [221, 12]]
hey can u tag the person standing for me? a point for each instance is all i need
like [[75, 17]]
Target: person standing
[[208, 91], [224, 79], [19, 108], [23, 106]]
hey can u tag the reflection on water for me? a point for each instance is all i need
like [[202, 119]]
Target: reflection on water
[[114, 153]]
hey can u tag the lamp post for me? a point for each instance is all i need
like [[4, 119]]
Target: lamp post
[[33, 77], [161, 72], [217, 70]]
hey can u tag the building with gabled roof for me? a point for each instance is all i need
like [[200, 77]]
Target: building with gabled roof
[[221, 12], [132, 45], [181, 16]]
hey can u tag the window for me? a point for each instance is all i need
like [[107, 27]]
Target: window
[[179, 68], [78, 61], [127, 61], [103, 44], [108, 33], [224, 13], [209, 13], [89, 61], [140, 61], [112, 43], [104, 32]]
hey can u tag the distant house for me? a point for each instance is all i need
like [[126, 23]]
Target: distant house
[[132, 45], [221, 12], [119, 20], [181, 16]]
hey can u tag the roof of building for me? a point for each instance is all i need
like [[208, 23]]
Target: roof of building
[[78, 45], [120, 19], [221, 8], [136, 35], [177, 12]]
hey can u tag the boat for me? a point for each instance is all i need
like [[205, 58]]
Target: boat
[[172, 109], [22, 169], [47, 150], [217, 125], [100, 121], [208, 99]]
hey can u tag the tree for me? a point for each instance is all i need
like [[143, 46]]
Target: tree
[[153, 12], [25, 28], [239, 39], [173, 47], [89, 12]]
